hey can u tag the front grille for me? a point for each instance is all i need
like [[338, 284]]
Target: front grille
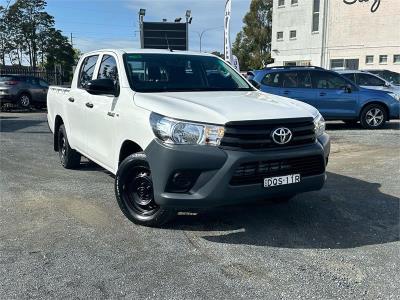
[[255, 172], [256, 135]]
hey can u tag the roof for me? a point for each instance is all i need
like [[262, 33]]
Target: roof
[[350, 71], [150, 51]]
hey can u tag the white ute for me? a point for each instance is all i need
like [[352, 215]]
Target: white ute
[[183, 130]]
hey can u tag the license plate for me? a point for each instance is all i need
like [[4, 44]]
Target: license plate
[[281, 180]]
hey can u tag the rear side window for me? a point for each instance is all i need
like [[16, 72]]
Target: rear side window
[[87, 70], [271, 79], [369, 80], [108, 69], [327, 80]]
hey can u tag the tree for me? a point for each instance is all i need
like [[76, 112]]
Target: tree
[[219, 54], [253, 44]]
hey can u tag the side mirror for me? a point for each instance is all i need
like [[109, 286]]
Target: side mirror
[[255, 84], [347, 88], [101, 87]]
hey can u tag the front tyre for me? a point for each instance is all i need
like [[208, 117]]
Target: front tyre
[[135, 195], [69, 158], [373, 116]]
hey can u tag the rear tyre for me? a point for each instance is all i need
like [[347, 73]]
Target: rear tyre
[[69, 158], [24, 100], [135, 195], [373, 116]]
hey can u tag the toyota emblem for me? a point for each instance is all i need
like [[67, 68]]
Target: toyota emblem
[[281, 135]]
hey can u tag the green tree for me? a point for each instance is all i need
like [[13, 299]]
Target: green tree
[[253, 44], [31, 23]]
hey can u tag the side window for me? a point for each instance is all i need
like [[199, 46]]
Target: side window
[[289, 79], [369, 80], [43, 83], [87, 70], [327, 80], [350, 76], [271, 79], [304, 80], [108, 69]]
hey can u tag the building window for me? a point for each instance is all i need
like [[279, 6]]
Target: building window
[[344, 64], [369, 59], [383, 59], [315, 17], [295, 2], [293, 34], [396, 59], [279, 35], [281, 2]]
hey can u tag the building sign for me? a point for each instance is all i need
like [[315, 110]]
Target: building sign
[[374, 7]]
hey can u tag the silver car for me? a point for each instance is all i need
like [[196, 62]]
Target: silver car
[[370, 81], [24, 91]]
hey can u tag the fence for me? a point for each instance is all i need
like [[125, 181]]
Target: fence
[[52, 77]]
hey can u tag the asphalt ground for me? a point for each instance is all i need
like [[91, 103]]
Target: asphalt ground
[[62, 234]]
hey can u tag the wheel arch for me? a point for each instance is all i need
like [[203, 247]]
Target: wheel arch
[[57, 123], [381, 103], [127, 148]]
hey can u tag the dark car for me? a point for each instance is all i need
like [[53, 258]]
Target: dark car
[[392, 77], [24, 91]]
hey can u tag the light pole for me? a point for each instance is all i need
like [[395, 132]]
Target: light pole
[[200, 34]]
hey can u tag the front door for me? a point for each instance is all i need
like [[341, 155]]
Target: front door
[[102, 115], [333, 98]]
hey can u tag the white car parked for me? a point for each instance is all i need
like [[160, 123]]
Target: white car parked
[[184, 130]]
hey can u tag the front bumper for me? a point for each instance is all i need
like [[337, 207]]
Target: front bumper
[[216, 167]]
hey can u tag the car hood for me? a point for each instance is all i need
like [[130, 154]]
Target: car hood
[[222, 107], [390, 89]]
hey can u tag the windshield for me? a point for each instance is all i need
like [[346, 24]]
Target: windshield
[[181, 73]]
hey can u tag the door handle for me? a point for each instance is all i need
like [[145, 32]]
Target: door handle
[[70, 99], [286, 92], [111, 114], [90, 105], [322, 94]]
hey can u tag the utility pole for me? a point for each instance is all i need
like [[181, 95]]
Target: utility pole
[[72, 41]]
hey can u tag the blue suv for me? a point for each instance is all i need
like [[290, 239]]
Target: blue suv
[[336, 97]]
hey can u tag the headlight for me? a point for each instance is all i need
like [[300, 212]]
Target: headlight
[[179, 132], [319, 125], [395, 96]]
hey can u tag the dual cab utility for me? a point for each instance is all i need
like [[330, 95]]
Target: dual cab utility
[[184, 130]]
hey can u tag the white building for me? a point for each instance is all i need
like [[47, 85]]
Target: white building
[[334, 34]]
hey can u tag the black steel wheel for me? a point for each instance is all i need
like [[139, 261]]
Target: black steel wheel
[[135, 194], [69, 158]]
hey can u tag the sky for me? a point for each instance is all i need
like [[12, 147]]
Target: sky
[[97, 24]]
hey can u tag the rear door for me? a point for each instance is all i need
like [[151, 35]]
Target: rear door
[[103, 115], [332, 98], [270, 82], [297, 85], [76, 106]]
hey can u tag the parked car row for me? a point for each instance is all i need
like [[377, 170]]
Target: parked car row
[[23, 91], [351, 96]]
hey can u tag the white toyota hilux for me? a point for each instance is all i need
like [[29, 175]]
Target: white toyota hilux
[[183, 130]]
